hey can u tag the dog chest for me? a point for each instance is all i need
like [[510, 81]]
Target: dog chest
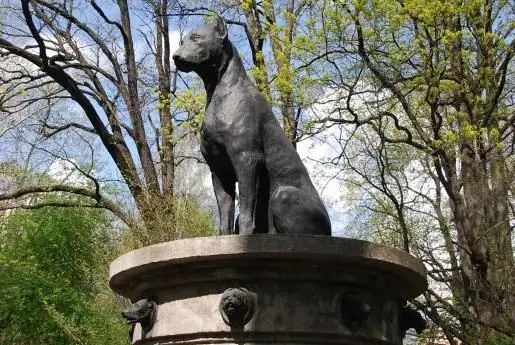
[[225, 123]]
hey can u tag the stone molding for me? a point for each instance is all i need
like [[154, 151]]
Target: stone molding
[[270, 289]]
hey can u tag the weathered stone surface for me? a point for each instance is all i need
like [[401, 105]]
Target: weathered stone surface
[[306, 289]]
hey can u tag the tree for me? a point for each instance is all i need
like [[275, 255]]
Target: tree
[[276, 21], [115, 67], [422, 96], [437, 81], [277, 42], [52, 276]]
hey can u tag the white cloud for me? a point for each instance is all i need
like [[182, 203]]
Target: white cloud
[[64, 171], [316, 152], [175, 39], [313, 151]]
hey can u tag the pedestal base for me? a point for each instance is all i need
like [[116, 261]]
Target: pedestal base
[[269, 289]]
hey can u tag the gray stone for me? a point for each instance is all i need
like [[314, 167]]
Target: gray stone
[[302, 290]]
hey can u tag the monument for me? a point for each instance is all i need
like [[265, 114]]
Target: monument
[[241, 141], [276, 277]]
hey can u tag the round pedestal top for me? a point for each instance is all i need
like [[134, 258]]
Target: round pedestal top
[[312, 250]]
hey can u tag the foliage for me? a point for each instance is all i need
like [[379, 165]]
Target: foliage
[[53, 278], [419, 97], [425, 98], [191, 104], [279, 35], [500, 341], [172, 219], [91, 82]]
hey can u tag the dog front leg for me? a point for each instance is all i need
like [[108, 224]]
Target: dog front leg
[[249, 170], [224, 192]]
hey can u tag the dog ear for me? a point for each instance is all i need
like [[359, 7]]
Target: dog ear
[[220, 26]]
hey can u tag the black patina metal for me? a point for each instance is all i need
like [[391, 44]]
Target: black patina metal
[[410, 318], [355, 308], [142, 312], [243, 142], [237, 307]]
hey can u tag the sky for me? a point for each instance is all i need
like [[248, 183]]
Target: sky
[[310, 150]]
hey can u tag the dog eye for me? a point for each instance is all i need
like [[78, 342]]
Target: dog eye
[[194, 37], [181, 42]]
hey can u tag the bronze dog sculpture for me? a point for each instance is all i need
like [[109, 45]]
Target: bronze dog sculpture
[[242, 142]]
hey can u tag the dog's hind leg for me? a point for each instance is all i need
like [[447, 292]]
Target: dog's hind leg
[[263, 190], [297, 212], [225, 191]]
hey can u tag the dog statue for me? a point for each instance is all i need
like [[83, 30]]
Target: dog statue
[[242, 142]]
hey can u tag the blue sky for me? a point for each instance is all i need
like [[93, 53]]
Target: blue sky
[[11, 144]]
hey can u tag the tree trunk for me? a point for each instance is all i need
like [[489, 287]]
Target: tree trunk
[[282, 49], [166, 149], [133, 102]]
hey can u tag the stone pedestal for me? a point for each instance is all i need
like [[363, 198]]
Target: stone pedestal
[[269, 289]]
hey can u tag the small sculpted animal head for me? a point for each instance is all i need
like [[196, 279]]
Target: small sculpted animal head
[[202, 47], [140, 311]]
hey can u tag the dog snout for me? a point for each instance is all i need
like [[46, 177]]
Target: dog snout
[[176, 57], [180, 62]]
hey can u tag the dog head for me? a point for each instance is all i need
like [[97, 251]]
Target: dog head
[[410, 318], [139, 311], [202, 47]]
